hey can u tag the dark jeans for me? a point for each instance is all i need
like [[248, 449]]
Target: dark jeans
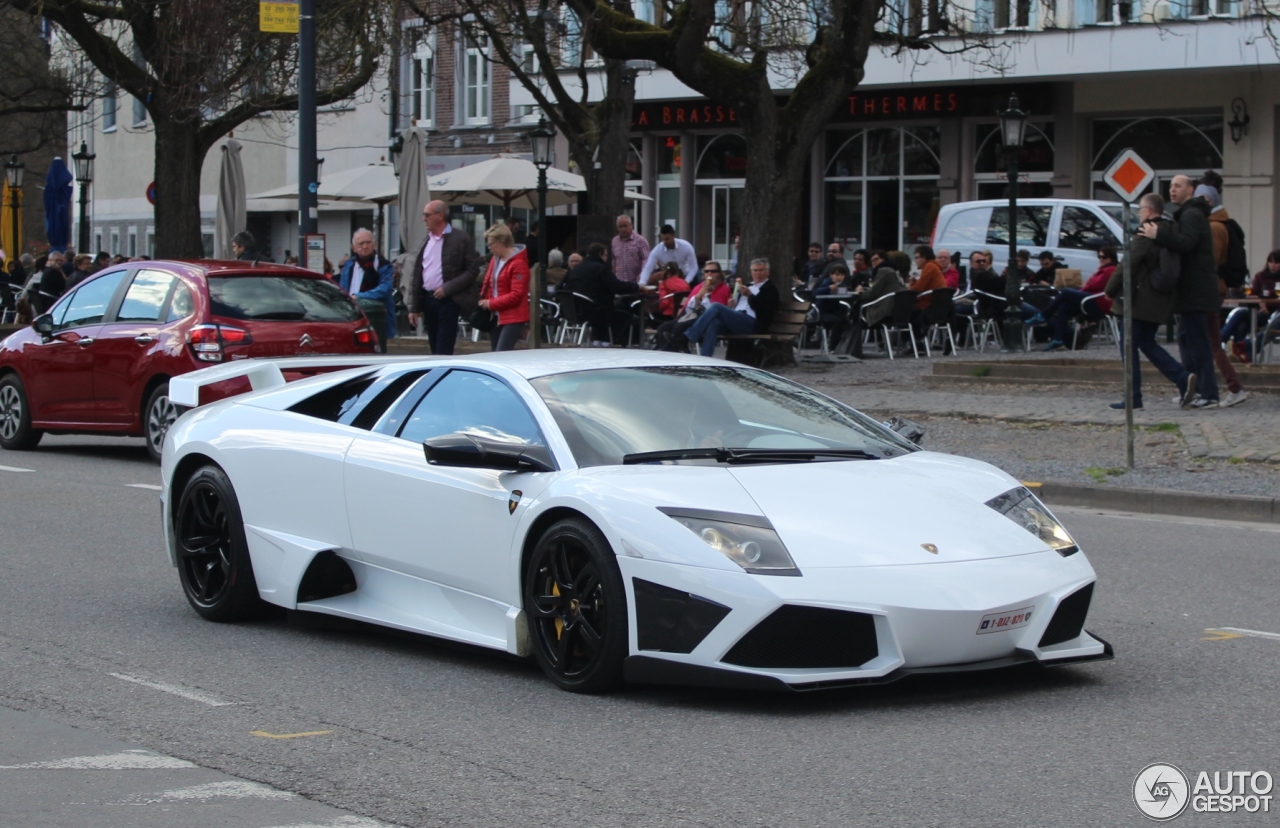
[[1144, 341], [440, 319], [718, 319], [1060, 311], [505, 337], [1193, 343]]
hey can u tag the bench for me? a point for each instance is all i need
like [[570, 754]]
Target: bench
[[775, 346]]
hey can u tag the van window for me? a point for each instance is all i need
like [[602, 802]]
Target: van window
[[1033, 226], [966, 227], [1084, 230]]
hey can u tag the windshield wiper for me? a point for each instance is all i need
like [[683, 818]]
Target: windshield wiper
[[735, 456]]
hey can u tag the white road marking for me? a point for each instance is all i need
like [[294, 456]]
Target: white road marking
[[233, 789], [150, 486], [184, 692], [1251, 633], [128, 760], [15, 469], [340, 822]]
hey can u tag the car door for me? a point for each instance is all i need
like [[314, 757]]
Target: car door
[[131, 347], [60, 371], [451, 526], [1081, 234]]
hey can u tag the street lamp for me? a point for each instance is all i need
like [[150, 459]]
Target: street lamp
[[542, 139], [13, 171], [84, 177], [1013, 129]]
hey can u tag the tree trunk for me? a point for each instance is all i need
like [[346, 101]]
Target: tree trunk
[[613, 127], [179, 158], [772, 195]]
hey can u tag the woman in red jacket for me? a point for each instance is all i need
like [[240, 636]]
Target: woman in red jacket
[[506, 288]]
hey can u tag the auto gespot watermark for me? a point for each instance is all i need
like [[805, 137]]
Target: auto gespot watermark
[[1162, 792]]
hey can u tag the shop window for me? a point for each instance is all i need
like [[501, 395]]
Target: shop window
[[1035, 156], [1083, 230], [844, 156], [1191, 142], [722, 156], [881, 187], [668, 157], [633, 167], [921, 151], [883, 147]]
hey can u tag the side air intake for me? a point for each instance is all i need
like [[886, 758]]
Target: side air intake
[[1068, 619]]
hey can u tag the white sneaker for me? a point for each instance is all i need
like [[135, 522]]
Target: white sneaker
[[1233, 398]]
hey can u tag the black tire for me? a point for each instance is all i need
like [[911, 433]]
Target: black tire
[[16, 433], [213, 555], [157, 415], [577, 608]]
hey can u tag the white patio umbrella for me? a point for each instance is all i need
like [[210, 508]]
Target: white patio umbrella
[[504, 181], [371, 182], [232, 214]]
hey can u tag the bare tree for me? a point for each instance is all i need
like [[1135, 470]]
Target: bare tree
[[539, 42], [202, 68], [35, 95], [734, 51]]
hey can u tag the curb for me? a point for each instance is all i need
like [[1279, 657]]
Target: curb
[[1160, 502]]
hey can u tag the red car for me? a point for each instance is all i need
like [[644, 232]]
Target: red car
[[100, 360]]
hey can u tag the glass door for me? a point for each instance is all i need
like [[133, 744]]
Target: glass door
[[726, 221]]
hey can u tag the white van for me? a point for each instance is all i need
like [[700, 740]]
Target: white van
[[1071, 229]]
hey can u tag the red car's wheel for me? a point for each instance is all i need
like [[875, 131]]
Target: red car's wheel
[[157, 416], [16, 433]]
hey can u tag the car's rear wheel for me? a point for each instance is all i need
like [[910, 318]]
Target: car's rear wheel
[[213, 555], [576, 605], [158, 414], [16, 433]]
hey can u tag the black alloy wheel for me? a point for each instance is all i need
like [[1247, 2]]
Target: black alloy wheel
[[576, 604], [213, 555], [16, 433], [158, 414]]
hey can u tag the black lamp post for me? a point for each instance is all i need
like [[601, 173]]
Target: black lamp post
[[84, 177], [1013, 129], [13, 171], [542, 139]]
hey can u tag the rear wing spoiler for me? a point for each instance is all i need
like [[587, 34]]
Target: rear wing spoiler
[[263, 373]]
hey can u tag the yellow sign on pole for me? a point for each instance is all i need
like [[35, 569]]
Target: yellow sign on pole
[[278, 17]]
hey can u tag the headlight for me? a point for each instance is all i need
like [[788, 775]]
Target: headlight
[[747, 540], [1026, 510]]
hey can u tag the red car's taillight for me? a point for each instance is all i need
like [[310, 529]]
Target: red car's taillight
[[366, 338], [207, 341]]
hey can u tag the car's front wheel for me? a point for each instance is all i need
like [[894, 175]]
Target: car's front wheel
[[16, 433], [158, 414], [576, 605], [213, 555]]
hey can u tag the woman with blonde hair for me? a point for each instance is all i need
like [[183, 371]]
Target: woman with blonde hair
[[505, 291]]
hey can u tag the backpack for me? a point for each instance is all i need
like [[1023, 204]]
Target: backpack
[[1163, 278], [1235, 270]]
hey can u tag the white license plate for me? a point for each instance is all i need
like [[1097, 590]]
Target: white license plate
[[1002, 621]]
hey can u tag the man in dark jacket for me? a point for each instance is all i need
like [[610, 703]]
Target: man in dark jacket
[[751, 312], [442, 282], [594, 279], [245, 246], [1151, 307], [369, 278], [53, 283], [1197, 293]]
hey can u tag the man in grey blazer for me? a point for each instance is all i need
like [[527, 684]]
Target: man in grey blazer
[[443, 282]]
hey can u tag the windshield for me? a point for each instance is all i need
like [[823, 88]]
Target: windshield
[[286, 298], [610, 414], [1116, 212]]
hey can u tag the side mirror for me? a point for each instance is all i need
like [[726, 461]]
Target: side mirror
[[909, 429], [43, 325], [475, 451]]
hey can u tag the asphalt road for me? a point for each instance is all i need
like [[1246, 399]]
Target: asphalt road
[[95, 634]]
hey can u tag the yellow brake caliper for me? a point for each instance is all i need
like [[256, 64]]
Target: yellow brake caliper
[[555, 590]]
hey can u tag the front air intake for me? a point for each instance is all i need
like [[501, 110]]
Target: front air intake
[[808, 638], [1068, 619]]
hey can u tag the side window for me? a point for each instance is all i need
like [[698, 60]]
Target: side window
[[471, 402], [1083, 230], [1033, 226], [181, 305], [967, 227], [90, 300], [146, 297]]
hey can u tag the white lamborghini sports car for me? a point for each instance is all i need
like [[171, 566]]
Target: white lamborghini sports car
[[618, 515]]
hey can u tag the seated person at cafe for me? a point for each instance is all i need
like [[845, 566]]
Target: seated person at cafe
[[1067, 303], [833, 313], [669, 282], [594, 279], [711, 290]]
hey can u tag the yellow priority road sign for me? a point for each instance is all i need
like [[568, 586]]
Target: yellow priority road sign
[[278, 17]]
